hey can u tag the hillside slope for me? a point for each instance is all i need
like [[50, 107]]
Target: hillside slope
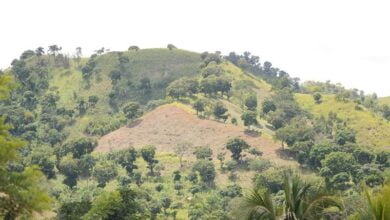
[[384, 100], [371, 130], [160, 66], [171, 124]]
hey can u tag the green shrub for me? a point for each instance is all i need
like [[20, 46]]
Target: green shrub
[[104, 125], [272, 179], [259, 165]]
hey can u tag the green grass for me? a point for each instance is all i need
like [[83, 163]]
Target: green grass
[[384, 100], [159, 65], [371, 129]]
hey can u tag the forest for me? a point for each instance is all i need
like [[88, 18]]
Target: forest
[[167, 133]]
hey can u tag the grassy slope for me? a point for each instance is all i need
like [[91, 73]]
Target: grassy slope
[[235, 104], [160, 65], [156, 64], [385, 100], [371, 129]]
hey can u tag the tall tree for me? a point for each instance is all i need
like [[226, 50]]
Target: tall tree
[[148, 154], [54, 49], [40, 51], [236, 146], [21, 192]]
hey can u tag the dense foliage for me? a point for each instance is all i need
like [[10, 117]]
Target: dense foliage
[[49, 133]]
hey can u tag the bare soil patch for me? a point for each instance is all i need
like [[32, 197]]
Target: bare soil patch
[[169, 125]]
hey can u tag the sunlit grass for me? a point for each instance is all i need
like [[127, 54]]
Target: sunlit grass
[[371, 129]]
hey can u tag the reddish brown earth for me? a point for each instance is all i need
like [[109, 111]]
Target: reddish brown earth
[[169, 125]]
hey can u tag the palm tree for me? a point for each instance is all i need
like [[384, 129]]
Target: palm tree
[[54, 49], [39, 51], [379, 204], [298, 204], [260, 206]]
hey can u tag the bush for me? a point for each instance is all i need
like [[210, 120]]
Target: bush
[[259, 165], [231, 165], [255, 152], [272, 179], [231, 191], [104, 125], [152, 104]]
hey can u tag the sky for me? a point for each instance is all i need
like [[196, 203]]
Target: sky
[[339, 40]]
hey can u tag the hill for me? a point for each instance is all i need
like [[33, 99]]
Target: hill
[[371, 129], [81, 117], [171, 124], [159, 67]]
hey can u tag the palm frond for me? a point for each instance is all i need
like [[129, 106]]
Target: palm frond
[[260, 205]]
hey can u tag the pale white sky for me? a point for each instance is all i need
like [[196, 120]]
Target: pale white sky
[[338, 40]]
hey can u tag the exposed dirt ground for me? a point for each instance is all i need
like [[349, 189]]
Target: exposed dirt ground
[[168, 125]]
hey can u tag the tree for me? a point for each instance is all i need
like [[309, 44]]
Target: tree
[[54, 49], [40, 51], [26, 54], [383, 159], [78, 147], [121, 204], [145, 85], [21, 192], [147, 154], [93, 100], [268, 106], [317, 97], [176, 176], [115, 76], [126, 158], [206, 171], [203, 153], [199, 106], [70, 168], [82, 106], [166, 203], [43, 157], [249, 118], [236, 146], [136, 48], [79, 53], [183, 87], [132, 110], [219, 111], [260, 206], [180, 150], [104, 171], [171, 46], [363, 156], [251, 102], [296, 131], [221, 158], [208, 85], [222, 85], [336, 163], [178, 186], [100, 51], [378, 204], [344, 135], [298, 203]]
